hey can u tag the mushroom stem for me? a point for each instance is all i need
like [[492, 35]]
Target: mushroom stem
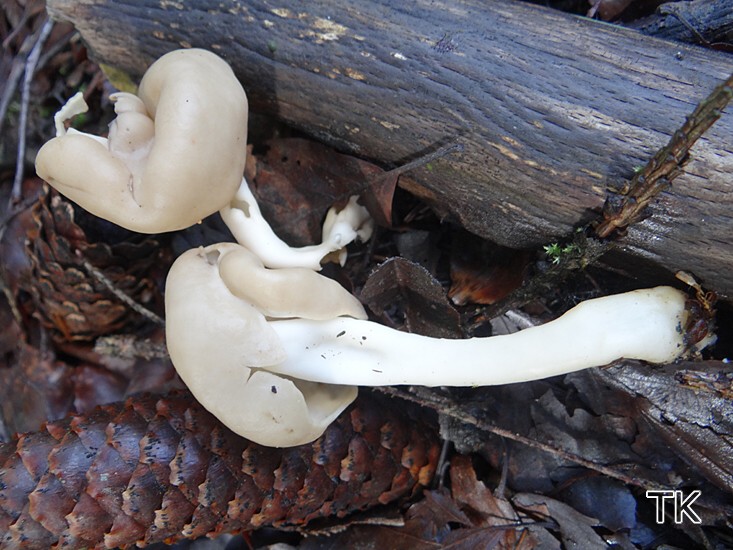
[[251, 230], [643, 324]]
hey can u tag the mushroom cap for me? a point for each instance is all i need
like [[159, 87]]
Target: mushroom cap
[[175, 154], [286, 292], [221, 346]]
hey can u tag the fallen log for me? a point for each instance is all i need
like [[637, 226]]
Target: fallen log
[[551, 110], [708, 22]]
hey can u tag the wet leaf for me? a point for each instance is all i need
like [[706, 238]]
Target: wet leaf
[[483, 272]]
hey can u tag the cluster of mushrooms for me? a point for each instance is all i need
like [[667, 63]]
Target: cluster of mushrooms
[[264, 342]]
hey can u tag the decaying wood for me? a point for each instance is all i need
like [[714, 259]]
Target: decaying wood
[[551, 110], [697, 21], [162, 468]]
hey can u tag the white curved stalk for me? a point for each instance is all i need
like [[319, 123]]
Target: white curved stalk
[[251, 230], [643, 324]]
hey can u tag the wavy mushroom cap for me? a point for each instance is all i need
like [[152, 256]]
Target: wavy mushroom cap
[[175, 153], [222, 347], [286, 292]]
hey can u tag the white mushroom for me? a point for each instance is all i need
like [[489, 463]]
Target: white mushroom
[[269, 346], [175, 153], [222, 346], [228, 316]]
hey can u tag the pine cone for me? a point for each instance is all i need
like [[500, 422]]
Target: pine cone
[[160, 469], [49, 256]]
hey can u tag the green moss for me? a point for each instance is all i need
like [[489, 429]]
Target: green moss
[[119, 78]]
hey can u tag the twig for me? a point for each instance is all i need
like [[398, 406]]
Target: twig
[[30, 70], [444, 405], [129, 346], [11, 84], [664, 166], [56, 47], [423, 160], [397, 171], [621, 211], [124, 298]]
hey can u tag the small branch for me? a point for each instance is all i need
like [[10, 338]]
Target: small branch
[[16, 71], [129, 346], [425, 159], [664, 166], [124, 298], [30, 70], [413, 164]]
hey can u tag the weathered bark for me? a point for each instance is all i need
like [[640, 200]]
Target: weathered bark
[[551, 110], [697, 21]]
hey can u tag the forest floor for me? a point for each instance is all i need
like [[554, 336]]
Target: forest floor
[[561, 462]]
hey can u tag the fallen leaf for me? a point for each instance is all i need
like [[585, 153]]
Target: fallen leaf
[[483, 272], [495, 523], [576, 530], [608, 9], [411, 288]]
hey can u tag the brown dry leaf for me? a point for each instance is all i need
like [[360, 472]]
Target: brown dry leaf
[[467, 517], [38, 386], [608, 10], [35, 388], [576, 530], [94, 386], [298, 180], [495, 523], [411, 288], [379, 196], [472, 493], [483, 272]]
